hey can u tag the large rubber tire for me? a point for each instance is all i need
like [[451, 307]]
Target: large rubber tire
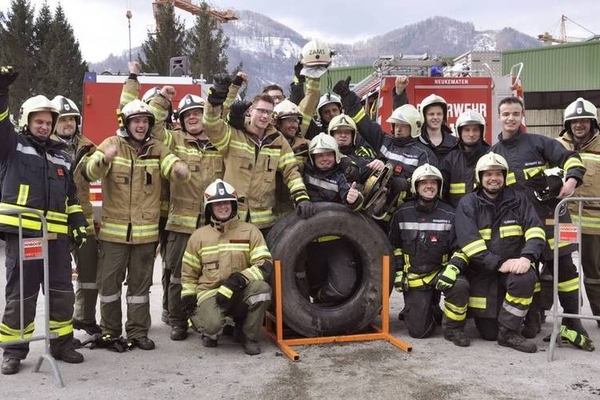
[[288, 241]]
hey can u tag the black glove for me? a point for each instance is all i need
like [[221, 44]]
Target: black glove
[[343, 87], [189, 304], [237, 113], [235, 283], [237, 81], [298, 78], [218, 92], [7, 77], [305, 209], [79, 236]]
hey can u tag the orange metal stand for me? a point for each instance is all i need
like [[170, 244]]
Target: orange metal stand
[[382, 333]]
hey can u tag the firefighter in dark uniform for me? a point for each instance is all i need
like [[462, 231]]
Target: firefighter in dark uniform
[[331, 266], [458, 167], [36, 173], [498, 229], [435, 133], [86, 257], [422, 234], [528, 155]]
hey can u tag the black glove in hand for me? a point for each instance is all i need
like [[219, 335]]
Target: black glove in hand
[[7, 77], [79, 236], [237, 113], [218, 92], [235, 283], [238, 81], [305, 209], [343, 87], [189, 304], [298, 78]]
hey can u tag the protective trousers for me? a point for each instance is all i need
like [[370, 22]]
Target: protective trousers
[[419, 305], [331, 270], [517, 299], [175, 248], [248, 305], [86, 292], [114, 261], [166, 273], [568, 284], [61, 296], [590, 261]]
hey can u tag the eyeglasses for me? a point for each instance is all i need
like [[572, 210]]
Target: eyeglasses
[[263, 111], [278, 97]]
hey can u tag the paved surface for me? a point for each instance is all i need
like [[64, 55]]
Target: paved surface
[[435, 369]]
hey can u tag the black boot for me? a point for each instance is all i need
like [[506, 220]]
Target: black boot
[[10, 365], [90, 328], [510, 338], [458, 337], [69, 355]]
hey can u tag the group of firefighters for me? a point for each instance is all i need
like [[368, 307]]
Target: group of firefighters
[[209, 181]]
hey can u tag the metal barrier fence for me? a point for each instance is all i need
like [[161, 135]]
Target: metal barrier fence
[[566, 232], [35, 249]]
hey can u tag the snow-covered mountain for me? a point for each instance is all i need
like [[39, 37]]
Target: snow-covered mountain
[[268, 50]]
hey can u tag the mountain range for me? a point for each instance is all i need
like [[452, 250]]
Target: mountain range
[[269, 49]]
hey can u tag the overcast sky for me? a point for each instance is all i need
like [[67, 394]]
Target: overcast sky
[[101, 25]]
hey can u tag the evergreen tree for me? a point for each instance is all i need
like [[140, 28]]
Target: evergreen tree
[[169, 41], [43, 24], [207, 46], [17, 39]]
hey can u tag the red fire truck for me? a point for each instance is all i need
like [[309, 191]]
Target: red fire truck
[[469, 89]]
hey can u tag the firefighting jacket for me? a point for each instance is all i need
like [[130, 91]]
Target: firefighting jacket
[[490, 232], [214, 252], [423, 241], [528, 155], [204, 162], [283, 200], [131, 188], [35, 175], [251, 165], [449, 142], [331, 185], [458, 170], [590, 155], [78, 148]]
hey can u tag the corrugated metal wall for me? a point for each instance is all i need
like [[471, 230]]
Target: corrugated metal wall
[[358, 73], [563, 67]]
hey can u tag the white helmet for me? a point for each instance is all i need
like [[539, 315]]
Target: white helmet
[[490, 161], [328, 98], [316, 53], [286, 109], [36, 104], [578, 109], [470, 117], [323, 143], [342, 121], [408, 115], [189, 102], [433, 99], [150, 93], [135, 108], [426, 171], [218, 191]]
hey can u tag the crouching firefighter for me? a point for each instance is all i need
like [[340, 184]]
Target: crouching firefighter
[[226, 267], [422, 234], [500, 232], [331, 265]]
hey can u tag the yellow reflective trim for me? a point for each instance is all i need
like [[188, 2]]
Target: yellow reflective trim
[[143, 163], [511, 179], [560, 245], [573, 162], [259, 252], [486, 233], [75, 208], [296, 184], [533, 171], [474, 247], [191, 260], [8, 334], [241, 146], [586, 221], [271, 152], [454, 312], [359, 115], [455, 308], [122, 161], [225, 291], [511, 230], [258, 217], [568, 286], [205, 294], [398, 251], [418, 280], [188, 289], [23, 195], [61, 328], [167, 165], [478, 302], [537, 288], [535, 233], [255, 272], [524, 301], [458, 188], [3, 115], [286, 159], [182, 220]]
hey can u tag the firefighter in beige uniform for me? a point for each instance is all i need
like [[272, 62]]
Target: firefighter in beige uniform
[[86, 257], [130, 165], [582, 134], [253, 155], [185, 212], [226, 267]]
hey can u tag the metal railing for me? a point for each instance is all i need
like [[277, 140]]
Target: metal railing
[[566, 228], [35, 249]]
